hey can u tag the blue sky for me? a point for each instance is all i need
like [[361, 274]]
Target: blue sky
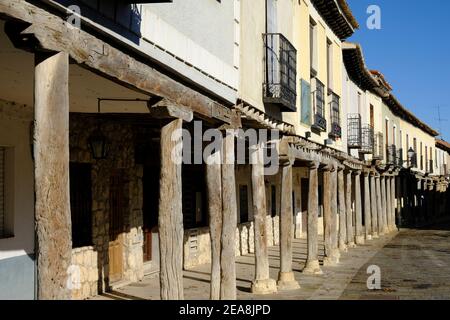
[[412, 50]]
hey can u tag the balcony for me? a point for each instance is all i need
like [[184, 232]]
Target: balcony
[[280, 66], [367, 143], [320, 123], [336, 130], [378, 146], [391, 155], [354, 134]]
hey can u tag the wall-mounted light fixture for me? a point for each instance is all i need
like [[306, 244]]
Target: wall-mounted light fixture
[[98, 143]]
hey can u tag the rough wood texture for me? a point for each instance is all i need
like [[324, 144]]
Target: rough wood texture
[[349, 210], [394, 203], [334, 216], [262, 283], [51, 154], [229, 222], [379, 204], [214, 190], [388, 223], [168, 109], [329, 226], [170, 221], [286, 280], [359, 237], [383, 204], [52, 33], [367, 208], [312, 262], [374, 206], [342, 212]]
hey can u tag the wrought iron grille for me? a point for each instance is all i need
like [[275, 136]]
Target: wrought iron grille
[[367, 144], [391, 155], [280, 63], [320, 123], [378, 148], [431, 166], [336, 130], [354, 135]]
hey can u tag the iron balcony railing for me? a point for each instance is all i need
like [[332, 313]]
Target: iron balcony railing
[[391, 155], [354, 133], [336, 130], [320, 122], [280, 63], [367, 143], [378, 147]]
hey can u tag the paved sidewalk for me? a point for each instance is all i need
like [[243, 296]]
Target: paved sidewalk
[[330, 285], [414, 265]]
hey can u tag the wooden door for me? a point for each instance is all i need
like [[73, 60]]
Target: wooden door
[[150, 208], [116, 225]]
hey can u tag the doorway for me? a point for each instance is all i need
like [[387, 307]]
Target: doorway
[[117, 212]]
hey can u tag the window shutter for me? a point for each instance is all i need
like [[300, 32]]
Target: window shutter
[[306, 103]]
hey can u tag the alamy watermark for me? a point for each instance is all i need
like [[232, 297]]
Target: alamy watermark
[[374, 20], [374, 280], [251, 146]]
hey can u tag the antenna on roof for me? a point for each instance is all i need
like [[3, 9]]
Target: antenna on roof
[[440, 120]]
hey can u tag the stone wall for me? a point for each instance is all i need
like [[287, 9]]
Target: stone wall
[[120, 156], [84, 273]]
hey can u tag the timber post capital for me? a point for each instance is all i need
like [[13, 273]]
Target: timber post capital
[[313, 165]]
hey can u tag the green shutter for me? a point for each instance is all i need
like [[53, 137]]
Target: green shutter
[[306, 116]]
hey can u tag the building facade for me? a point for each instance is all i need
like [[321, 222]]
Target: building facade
[[96, 192]]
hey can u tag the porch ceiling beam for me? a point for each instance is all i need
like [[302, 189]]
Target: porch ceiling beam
[[166, 109], [45, 31]]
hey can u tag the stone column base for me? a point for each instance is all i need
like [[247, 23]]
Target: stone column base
[[351, 245], [266, 286], [286, 281], [312, 268], [369, 237], [375, 235], [360, 240], [333, 259], [344, 248]]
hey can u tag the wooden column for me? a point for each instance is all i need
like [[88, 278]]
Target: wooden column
[[214, 190], [388, 204], [170, 221], [335, 254], [286, 279], [229, 221], [51, 154], [384, 202], [312, 262], [349, 210], [380, 208], [359, 237], [262, 283], [329, 218], [374, 206], [367, 207], [394, 203], [342, 212]]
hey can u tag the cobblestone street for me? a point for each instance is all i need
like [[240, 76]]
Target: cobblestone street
[[414, 265]]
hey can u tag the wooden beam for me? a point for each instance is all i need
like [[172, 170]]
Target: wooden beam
[[51, 33]]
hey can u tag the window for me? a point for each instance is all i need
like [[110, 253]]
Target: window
[[320, 98], [426, 158], [81, 204], [313, 46], [243, 203], [372, 117], [421, 156], [414, 164], [330, 64], [274, 200], [359, 102]]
